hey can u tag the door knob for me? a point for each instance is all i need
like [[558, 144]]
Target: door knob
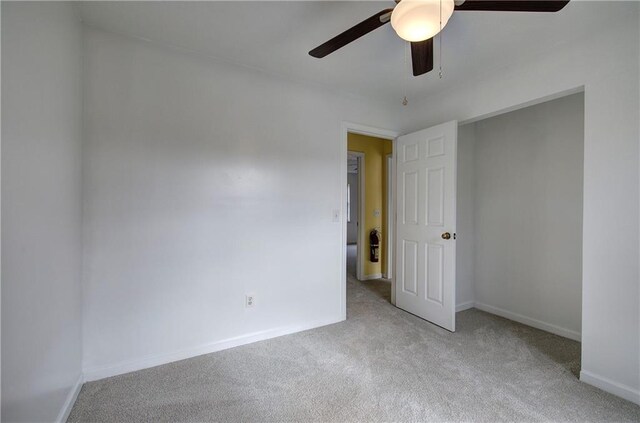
[[446, 235]]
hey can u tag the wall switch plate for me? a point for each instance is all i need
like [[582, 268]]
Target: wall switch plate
[[250, 300], [336, 215]]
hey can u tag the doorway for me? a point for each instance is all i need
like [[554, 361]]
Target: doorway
[[519, 222], [513, 205], [367, 155]]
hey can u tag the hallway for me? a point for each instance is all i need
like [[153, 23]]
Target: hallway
[[380, 287]]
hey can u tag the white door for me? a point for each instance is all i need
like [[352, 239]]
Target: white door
[[426, 224]]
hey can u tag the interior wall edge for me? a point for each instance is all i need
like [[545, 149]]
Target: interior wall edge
[[533, 102], [41, 210], [71, 399]]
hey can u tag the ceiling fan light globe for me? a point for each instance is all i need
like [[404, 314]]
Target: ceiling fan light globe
[[419, 20]]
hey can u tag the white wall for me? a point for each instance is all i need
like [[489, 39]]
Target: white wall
[[611, 297], [528, 214], [41, 209], [352, 226], [205, 182], [465, 234]]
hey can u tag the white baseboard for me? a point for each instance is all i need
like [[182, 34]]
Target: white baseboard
[[615, 388], [63, 415], [538, 324], [95, 373], [465, 306], [371, 277]]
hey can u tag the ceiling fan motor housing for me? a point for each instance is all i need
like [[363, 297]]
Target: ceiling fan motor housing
[[419, 20]]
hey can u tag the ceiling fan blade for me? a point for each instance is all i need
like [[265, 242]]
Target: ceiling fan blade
[[422, 56], [513, 5], [351, 34]]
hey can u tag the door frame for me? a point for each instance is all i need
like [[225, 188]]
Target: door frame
[[390, 216], [360, 241], [373, 131]]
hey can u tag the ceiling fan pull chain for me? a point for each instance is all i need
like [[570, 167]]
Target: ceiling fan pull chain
[[440, 59], [406, 73]]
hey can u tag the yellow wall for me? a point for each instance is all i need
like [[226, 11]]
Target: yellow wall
[[375, 166]]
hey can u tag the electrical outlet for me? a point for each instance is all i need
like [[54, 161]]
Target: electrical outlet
[[249, 300]]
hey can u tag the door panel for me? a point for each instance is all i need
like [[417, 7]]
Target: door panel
[[410, 198], [434, 270], [409, 275], [426, 187], [435, 197]]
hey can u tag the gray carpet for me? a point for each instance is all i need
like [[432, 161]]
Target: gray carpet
[[382, 364]]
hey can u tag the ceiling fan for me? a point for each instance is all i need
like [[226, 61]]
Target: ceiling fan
[[418, 21]]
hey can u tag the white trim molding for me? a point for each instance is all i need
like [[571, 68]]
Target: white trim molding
[[63, 415], [615, 388], [101, 372], [529, 321], [390, 211]]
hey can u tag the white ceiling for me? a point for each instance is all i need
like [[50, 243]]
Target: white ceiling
[[276, 36]]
